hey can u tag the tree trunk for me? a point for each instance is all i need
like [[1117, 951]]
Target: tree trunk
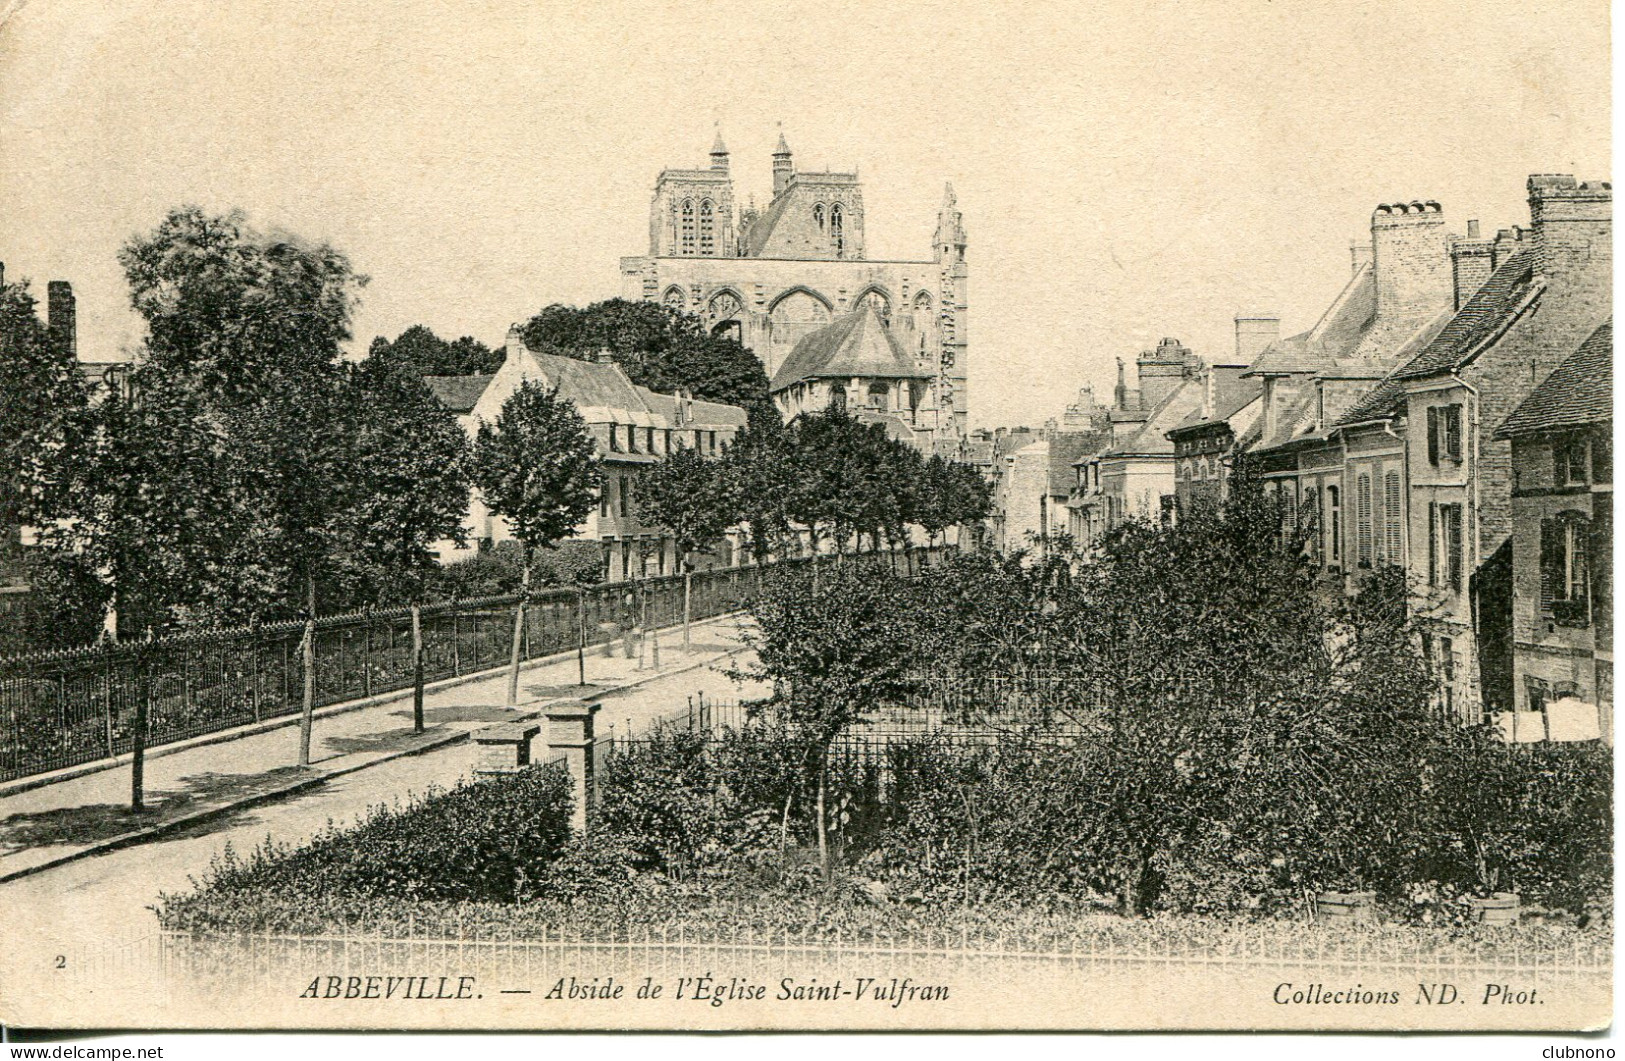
[[518, 628], [417, 669], [307, 715], [688, 594], [581, 637], [823, 834], [138, 739]]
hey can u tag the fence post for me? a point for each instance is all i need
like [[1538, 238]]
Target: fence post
[[138, 739], [417, 669], [570, 736], [254, 675], [308, 710], [107, 698], [688, 604], [581, 636], [456, 641]]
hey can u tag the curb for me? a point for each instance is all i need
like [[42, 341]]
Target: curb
[[535, 709], [253, 729]]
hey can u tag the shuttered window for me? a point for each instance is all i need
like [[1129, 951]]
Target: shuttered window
[[1362, 519], [1334, 499], [1450, 531], [1433, 543], [1565, 574], [1433, 434], [1395, 517]]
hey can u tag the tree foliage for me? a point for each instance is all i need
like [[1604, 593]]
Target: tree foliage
[[537, 466], [247, 467], [421, 352], [658, 347]]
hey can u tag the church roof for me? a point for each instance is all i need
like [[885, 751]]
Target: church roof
[[858, 345], [457, 393], [1579, 391]]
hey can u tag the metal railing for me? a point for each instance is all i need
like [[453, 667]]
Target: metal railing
[[67, 707]]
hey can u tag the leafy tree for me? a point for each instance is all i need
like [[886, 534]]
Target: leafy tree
[[658, 347], [406, 484], [44, 393], [537, 467], [758, 471], [835, 652], [691, 496], [423, 353]]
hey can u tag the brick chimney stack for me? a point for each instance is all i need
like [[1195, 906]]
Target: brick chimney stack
[[1410, 253], [1471, 261], [61, 316], [1254, 331]]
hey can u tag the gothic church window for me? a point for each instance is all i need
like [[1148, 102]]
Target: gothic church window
[[674, 298], [837, 232], [880, 302], [686, 245], [818, 215], [708, 234]]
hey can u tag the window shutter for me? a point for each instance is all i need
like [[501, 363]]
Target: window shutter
[[1433, 434], [1452, 432], [1551, 562], [1362, 519], [1396, 535], [1579, 563], [1433, 543], [1455, 547]]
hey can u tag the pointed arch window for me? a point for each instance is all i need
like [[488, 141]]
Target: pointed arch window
[[818, 215], [708, 231], [686, 241], [837, 229]]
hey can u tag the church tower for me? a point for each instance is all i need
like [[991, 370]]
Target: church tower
[[771, 275], [692, 213], [948, 245]]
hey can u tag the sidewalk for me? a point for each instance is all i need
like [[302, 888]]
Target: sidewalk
[[89, 813]]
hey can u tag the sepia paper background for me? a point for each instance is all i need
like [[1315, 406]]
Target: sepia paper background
[[1126, 171]]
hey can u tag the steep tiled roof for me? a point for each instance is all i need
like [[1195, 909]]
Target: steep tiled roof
[[1476, 321], [1493, 306], [1285, 356], [856, 345], [1068, 448], [1579, 391], [593, 385], [1152, 437], [1231, 396], [458, 393]]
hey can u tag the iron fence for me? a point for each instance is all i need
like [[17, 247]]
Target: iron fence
[[64, 708]]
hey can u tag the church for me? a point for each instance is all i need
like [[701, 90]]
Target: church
[[774, 276]]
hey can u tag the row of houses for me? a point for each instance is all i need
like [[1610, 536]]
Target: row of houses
[[632, 428], [1449, 413]]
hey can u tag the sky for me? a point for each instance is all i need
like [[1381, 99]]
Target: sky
[[1127, 171]]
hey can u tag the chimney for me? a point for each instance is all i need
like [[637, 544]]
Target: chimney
[[514, 344], [605, 356], [60, 315], [1359, 253], [1572, 228], [1507, 242], [1164, 369], [1410, 254], [1471, 261], [1254, 331]]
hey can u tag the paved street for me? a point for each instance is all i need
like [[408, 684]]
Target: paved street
[[84, 905]]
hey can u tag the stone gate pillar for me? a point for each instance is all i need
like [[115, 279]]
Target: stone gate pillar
[[571, 737]]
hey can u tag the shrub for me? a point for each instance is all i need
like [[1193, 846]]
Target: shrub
[[488, 840]]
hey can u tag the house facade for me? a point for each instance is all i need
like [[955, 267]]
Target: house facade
[[1561, 439], [632, 428]]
